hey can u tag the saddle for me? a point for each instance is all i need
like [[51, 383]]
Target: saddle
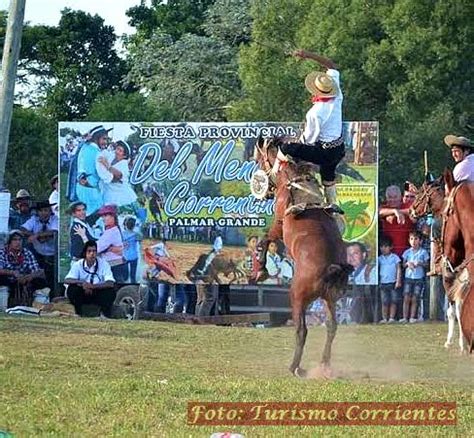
[[305, 194]]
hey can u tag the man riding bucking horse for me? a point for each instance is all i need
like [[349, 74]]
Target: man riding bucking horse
[[322, 142]]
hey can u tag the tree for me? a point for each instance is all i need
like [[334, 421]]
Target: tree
[[32, 153], [66, 67], [126, 107], [196, 75], [172, 17]]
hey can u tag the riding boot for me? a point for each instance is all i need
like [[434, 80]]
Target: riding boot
[[330, 195]]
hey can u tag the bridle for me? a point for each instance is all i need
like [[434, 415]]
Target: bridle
[[425, 198]]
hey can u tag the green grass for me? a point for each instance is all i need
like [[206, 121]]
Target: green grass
[[116, 378]]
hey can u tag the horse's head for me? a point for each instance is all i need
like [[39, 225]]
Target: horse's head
[[429, 199]]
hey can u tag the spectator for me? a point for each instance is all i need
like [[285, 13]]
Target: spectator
[[54, 196], [415, 260], [131, 240], [395, 219], [20, 271], [80, 231], [21, 211], [91, 281], [41, 231], [390, 280]]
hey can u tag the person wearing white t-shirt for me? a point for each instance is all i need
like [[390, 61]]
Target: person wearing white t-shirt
[[322, 140], [390, 279], [91, 281]]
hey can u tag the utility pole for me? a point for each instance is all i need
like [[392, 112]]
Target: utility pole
[[11, 52]]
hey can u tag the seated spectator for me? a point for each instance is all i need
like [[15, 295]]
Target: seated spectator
[[415, 261], [41, 231], [390, 280], [20, 271], [91, 281]]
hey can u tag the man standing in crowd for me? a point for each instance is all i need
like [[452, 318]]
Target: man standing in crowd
[[395, 219], [91, 281], [21, 211], [41, 231]]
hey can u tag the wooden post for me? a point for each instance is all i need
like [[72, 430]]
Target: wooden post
[[426, 162], [11, 52]]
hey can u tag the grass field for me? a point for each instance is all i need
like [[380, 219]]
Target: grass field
[[93, 378]]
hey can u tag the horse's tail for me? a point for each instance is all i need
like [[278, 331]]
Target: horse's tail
[[337, 275]]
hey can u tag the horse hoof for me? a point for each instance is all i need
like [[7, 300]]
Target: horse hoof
[[448, 344], [300, 372]]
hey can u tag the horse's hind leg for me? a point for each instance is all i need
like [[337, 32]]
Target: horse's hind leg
[[331, 328], [462, 340], [301, 332]]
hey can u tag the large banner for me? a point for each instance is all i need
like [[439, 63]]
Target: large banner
[[172, 201]]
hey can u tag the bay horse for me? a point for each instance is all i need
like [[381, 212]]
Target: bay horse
[[453, 204], [314, 242]]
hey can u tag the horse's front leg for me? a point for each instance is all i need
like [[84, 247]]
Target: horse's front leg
[[331, 328], [450, 313], [298, 312]]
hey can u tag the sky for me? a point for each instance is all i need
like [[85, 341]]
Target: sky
[[49, 11]]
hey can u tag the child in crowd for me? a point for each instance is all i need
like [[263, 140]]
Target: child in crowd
[[415, 260], [390, 277]]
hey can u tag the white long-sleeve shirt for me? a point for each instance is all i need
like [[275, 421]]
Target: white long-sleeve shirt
[[464, 170]]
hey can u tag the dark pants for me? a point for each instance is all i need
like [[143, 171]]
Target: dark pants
[[327, 159], [47, 263], [21, 294], [104, 298]]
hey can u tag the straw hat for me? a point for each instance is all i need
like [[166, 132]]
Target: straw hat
[[453, 140], [320, 84], [22, 194]]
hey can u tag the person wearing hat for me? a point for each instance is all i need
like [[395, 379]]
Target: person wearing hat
[[80, 231], [41, 231], [19, 271], [462, 151], [322, 141], [116, 187], [87, 186], [54, 196], [21, 210]]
